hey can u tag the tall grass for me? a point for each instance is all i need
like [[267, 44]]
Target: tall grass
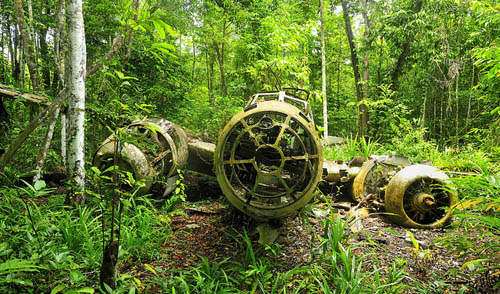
[[353, 146], [479, 210]]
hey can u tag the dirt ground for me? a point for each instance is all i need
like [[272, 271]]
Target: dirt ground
[[211, 228]]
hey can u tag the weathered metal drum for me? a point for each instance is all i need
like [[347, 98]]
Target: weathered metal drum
[[268, 159]]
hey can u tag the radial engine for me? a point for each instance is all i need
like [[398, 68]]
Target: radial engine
[[269, 159]]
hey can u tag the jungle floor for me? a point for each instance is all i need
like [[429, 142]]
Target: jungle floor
[[211, 228]]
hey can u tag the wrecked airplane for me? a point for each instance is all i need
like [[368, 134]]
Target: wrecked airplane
[[268, 161]]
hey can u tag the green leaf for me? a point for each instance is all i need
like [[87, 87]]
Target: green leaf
[[126, 3], [495, 110], [75, 276], [39, 185], [85, 290], [150, 268], [159, 29], [58, 289]]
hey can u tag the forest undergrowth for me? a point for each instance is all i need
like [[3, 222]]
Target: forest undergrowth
[[49, 247]]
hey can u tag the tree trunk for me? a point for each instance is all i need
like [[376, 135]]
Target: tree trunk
[[15, 68], [355, 68], [14, 146], [422, 123], [210, 71], [60, 41], [4, 118], [76, 106], [2, 42], [398, 69], [44, 54], [457, 106], [323, 71], [194, 60], [64, 140], [29, 51], [470, 99], [220, 62], [366, 63], [60, 48], [42, 153]]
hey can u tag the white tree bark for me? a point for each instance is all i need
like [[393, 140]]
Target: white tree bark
[[60, 48], [42, 154], [64, 139], [76, 83], [323, 73]]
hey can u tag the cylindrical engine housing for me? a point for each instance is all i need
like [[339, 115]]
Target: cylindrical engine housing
[[151, 148], [268, 160]]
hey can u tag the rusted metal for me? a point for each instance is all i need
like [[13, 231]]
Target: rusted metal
[[268, 159], [420, 196], [201, 157], [412, 195], [154, 148], [339, 171]]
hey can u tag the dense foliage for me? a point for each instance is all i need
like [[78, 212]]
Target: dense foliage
[[430, 82]]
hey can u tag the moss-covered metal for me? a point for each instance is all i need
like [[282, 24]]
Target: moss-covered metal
[[268, 159], [155, 147]]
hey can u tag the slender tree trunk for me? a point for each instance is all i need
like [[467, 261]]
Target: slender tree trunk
[[355, 68], [366, 63], [210, 80], [194, 59], [422, 123], [441, 118], [31, 32], [76, 105], [14, 146], [60, 48], [42, 153], [21, 63], [11, 45], [470, 99], [457, 106], [16, 56], [434, 117], [323, 71], [64, 139], [380, 60], [2, 42], [220, 60], [339, 70], [45, 59], [398, 69], [27, 45]]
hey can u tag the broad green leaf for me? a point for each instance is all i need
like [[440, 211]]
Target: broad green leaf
[[159, 28], [39, 185], [85, 290], [58, 289]]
